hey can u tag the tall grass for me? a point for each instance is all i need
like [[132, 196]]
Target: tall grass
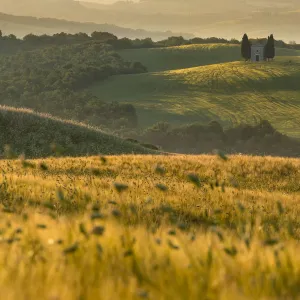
[[150, 227]]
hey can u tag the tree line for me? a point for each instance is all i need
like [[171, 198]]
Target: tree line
[[269, 48], [10, 43]]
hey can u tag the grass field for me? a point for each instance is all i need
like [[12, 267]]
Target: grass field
[[39, 135], [150, 227], [231, 93], [171, 58]]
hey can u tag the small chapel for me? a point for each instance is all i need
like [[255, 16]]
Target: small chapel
[[257, 52]]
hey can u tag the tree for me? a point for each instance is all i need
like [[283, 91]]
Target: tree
[[103, 36], [267, 49], [272, 47], [246, 48]]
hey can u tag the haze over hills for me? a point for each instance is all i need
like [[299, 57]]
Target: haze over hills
[[228, 19], [23, 25]]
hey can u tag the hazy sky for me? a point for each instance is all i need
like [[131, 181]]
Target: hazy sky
[[103, 1]]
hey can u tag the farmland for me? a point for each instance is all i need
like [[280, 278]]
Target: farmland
[[182, 57], [150, 227], [232, 93]]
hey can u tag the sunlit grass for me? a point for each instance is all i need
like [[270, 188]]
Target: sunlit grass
[[231, 93], [152, 227]]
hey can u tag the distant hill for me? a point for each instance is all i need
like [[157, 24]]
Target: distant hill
[[229, 19], [172, 58], [39, 135], [230, 93], [23, 25]]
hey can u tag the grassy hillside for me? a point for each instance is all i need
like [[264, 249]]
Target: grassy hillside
[[128, 232], [171, 58], [38, 135], [231, 93]]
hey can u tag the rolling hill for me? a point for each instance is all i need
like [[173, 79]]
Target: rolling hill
[[39, 135], [171, 58], [231, 92]]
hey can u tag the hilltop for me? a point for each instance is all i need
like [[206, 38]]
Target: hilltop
[[40, 135], [187, 56], [231, 92]]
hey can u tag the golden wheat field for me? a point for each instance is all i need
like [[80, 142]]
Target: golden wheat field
[[150, 227]]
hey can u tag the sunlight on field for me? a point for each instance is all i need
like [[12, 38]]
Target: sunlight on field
[[150, 227], [187, 56], [170, 58], [231, 93]]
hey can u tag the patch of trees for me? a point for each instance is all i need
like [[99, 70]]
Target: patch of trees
[[269, 49], [259, 139], [53, 80], [11, 44]]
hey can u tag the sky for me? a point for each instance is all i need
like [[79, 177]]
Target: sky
[[222, 18], [103, 1]]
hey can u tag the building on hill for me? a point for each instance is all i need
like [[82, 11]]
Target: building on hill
[[257, 52]]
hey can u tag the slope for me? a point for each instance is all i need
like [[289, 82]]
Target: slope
[[38, 135], [231, 93], [171, 58]]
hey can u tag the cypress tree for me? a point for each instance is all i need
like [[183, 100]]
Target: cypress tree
[[272, 46], [267, 49], [246, 48]]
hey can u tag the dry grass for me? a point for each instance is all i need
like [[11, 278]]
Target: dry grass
[[150, 227]]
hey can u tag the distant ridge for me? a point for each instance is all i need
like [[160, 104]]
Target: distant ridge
[[22, 25]]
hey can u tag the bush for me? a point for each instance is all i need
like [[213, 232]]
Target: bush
[[260, 139]]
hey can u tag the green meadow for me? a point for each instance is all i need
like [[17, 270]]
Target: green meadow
[[207, 85], [181, 57]]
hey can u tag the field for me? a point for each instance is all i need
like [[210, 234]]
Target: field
[[171, 58], [150, 227], [35, 135], [229, 92]]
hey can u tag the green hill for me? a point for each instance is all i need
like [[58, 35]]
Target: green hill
[[38, 135], [171, 58], [230, 93]]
